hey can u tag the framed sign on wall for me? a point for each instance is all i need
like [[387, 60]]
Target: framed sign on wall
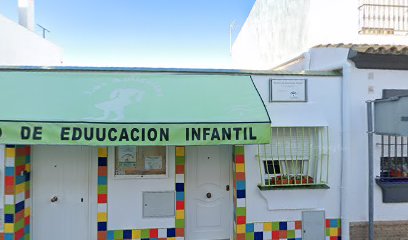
[[287, 90]]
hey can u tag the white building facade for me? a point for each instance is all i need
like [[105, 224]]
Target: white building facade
[[120, 153], [307, 179]]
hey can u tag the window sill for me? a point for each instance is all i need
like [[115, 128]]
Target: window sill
[[394, 190], [293, 187]]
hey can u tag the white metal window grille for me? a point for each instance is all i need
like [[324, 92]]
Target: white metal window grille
[[394, 157], [296, 156], [383, 17]]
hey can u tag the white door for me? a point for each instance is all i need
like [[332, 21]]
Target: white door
[[60, 192], [208, 195]]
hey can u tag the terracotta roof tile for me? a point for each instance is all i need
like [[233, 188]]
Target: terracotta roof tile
[[370, 48]]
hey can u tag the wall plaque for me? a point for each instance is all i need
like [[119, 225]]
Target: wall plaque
[[287, 90]]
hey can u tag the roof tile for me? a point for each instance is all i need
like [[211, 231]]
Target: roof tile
[[370, 48]]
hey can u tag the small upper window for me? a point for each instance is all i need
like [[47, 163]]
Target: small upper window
[[140, 160]]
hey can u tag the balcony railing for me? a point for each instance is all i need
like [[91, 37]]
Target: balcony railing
[[383, 17]]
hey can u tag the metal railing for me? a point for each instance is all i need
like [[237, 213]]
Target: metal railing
[[296, 156], [383, 17], [394, 158]]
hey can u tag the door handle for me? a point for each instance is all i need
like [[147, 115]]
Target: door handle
[[227, 188], [54, 199], [208, 195]]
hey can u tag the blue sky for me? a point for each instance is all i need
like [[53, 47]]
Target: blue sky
[[140, 33]]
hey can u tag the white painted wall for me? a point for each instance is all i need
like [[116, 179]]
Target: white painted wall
[[358, 86], [327, 58], [20, 46], [322, 109], [318, 59], [125, 209], [278, 30], [274, 30], [362, 85]]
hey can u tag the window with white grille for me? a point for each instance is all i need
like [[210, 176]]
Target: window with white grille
[[296, 156], [383, 17]]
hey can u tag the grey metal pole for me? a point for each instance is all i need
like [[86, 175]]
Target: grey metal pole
[[370, 170]]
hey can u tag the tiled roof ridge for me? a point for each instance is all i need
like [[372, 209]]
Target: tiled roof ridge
[[370, 48]]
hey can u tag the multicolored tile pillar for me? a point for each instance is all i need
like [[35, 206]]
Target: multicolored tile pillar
[[17, 192], [102, 218], [239, 193], [180, 192], [176, 233]]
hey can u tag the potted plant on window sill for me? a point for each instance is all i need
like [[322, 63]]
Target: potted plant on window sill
[[290, 180]]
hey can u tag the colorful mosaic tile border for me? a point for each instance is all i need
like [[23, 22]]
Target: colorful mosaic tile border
[[274, 230], [333, 229], [239, 193], [290, 230], [176, 233], [17, 192]]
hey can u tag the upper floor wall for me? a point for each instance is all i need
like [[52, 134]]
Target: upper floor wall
[[279, 30], [20, 46]]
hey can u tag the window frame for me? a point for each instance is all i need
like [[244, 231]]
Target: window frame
[[283, 168]]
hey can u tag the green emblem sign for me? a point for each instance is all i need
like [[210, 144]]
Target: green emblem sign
[[132, 134]]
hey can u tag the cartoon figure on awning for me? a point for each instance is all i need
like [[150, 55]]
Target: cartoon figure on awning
[[119, 100]]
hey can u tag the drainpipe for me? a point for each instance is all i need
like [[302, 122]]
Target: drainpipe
[[370, 170], [26, 14], [345, 229]]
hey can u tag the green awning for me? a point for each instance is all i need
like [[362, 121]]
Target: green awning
[[129, 108]]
